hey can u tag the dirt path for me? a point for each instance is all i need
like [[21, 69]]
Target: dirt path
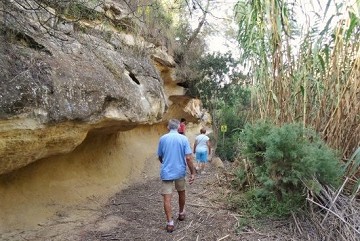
[[136, 213]]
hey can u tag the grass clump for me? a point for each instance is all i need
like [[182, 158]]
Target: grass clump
[[78, 10]]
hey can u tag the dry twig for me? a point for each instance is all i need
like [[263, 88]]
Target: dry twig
[[344, 222], [201, 205], [296, 223], [223, 237]]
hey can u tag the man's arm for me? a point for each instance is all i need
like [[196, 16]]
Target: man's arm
[[195, 144], [160, 153], [191, 167], [209, 147]]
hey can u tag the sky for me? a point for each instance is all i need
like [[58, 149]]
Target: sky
[[220, 43]]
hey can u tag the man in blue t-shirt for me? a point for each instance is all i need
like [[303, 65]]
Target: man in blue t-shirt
[[174, 154]]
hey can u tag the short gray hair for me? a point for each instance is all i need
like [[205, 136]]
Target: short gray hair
[[173, 124]]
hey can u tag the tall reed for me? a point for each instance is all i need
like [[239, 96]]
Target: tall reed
[[309, 74]]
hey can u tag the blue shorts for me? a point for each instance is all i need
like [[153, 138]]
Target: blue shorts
[[202, 156]]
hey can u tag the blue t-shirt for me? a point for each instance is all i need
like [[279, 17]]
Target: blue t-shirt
[[173, 147]]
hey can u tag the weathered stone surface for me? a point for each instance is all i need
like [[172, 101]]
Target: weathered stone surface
[[81, 111], [79, 84], [71, 80], [217, 162]]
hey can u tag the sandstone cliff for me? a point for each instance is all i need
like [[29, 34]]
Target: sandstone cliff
[[82, 104], [57, 87]]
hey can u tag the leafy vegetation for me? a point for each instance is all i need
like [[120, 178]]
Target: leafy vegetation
[[312, 84], [156, 22], [310, 92], [218, 85], [315, 84], [282, 162], [78, 10]]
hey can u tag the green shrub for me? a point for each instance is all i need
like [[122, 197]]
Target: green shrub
[[265, 203], [228, 146], [253, 137], [283, 160], [79, 10]]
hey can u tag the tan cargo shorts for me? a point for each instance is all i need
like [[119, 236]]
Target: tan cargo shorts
[[167, 186]]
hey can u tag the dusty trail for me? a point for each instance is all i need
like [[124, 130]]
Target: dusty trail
[[136, 213]]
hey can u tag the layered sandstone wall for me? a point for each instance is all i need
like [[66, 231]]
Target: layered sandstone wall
[[69, 184], [80, 113], [57, 87]]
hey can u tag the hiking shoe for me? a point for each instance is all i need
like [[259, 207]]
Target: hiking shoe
[[181, 217], [169, 228]]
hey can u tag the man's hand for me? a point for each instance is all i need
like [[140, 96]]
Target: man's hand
[[190, 164], [192, 178]]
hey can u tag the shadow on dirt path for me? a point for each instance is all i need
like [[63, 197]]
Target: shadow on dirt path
[[137, 214]]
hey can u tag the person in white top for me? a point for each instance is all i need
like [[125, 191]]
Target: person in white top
[[202, 149]]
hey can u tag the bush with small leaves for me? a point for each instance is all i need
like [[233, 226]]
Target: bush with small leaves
[[283, 160]]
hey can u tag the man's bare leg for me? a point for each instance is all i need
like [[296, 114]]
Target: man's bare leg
[[181, 205], [181, 201], [167, 207]]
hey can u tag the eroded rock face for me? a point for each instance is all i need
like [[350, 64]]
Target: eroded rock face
[[72, 185], [57, 87], [81, 113], [79, 84]]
